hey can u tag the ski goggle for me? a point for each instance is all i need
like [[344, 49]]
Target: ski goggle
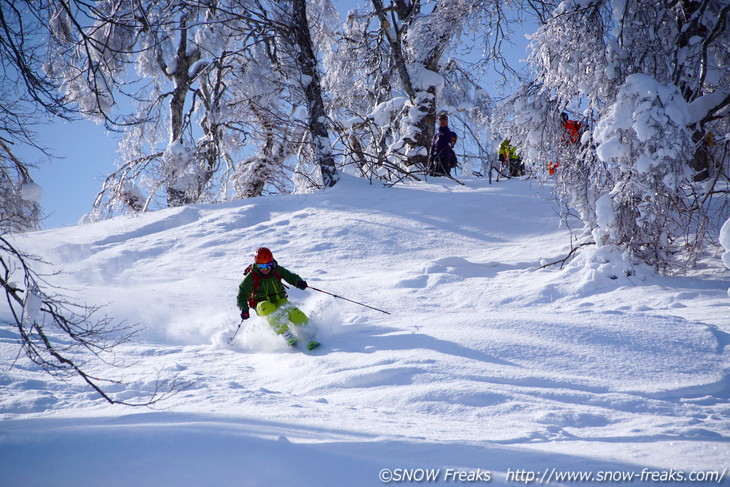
[[269, 265]]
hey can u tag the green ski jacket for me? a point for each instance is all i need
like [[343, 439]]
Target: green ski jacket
[[269, 287]]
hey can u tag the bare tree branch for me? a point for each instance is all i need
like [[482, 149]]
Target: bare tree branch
[[62, 337]]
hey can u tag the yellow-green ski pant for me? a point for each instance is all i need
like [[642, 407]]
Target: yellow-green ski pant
[[280, 313]]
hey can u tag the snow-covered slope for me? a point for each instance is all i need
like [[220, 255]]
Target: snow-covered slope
[[487, 364]]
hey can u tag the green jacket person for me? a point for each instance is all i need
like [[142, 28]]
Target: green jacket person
[[510, 157], [262, 289]]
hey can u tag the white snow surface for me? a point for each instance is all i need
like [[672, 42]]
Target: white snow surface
[[486, 364]]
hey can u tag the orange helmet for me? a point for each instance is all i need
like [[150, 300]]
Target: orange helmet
[[263, 256]]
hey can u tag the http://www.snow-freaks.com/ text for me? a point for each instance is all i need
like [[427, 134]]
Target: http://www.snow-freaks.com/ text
[[548, 475]]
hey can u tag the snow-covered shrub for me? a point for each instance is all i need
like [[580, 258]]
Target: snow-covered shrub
[[643, 142], [648, 82]]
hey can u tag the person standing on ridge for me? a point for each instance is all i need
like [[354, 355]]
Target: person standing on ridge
[[571, 136], [442, 158], [263, 290], [572, 129], [510, 159]]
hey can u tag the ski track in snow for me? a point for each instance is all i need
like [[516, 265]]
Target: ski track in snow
[[486, 362]]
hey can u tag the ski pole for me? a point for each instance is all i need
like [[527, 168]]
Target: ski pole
[[350, 300], [230, 340]]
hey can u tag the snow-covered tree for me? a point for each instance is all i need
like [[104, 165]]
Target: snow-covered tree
[[211, 79], [25, 31], [26, 95], [389, 75], [19, 196], [649, 82], [298, 39], [56, 333], [173, 143], [261, 102]]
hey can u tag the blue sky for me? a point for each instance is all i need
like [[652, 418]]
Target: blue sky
[[86, 154]]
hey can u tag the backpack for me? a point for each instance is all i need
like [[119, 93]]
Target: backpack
[[256, 278]]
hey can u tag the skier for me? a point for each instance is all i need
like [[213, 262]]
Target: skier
[[510, 159], [572, 129], [263, 290], [571, 136], [442, 157]]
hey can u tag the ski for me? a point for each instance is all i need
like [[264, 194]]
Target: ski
[[454, 179], [290, 339], [448, 176], [312, 345], [293, 342]]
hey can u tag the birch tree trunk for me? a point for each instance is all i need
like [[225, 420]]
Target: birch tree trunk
[[178, 196], [317, 120]]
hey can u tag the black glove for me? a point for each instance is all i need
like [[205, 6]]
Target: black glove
[[301, 285], [245, 314]]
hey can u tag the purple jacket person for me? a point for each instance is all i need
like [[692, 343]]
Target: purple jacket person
[[443, 158]]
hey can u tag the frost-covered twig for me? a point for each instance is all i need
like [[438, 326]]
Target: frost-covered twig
[[565, 259]]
